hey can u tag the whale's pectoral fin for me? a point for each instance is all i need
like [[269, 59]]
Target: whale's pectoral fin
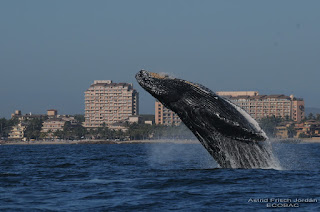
[[230, 128]]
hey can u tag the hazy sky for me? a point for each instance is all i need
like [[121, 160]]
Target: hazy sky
[[51, 51]]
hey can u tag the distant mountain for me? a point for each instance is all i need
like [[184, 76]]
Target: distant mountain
[[313, 110]]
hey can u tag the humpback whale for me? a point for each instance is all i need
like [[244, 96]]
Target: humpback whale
[[231, 136]]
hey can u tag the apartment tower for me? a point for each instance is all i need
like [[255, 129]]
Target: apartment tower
[[165, 116], [259, 106], [108, 102]]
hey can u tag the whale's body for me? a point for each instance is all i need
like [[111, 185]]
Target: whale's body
[[228, 133]]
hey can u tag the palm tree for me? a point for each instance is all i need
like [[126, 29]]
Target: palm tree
[[43, 135], [291, 131], [58, 134], [311, 116], [50, 133]]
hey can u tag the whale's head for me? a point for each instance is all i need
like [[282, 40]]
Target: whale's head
[[161, 86], [170, 91]]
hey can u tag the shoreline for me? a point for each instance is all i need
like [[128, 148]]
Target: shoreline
[[176, 141]]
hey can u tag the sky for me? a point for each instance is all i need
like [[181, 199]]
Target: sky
[[52, 51]]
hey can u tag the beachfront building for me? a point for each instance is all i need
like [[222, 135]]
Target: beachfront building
[[259, 106], [52, 125], [29, 116], [17, 131], [282, 130], [309, 128], [108, 102], [142, 119], [165, 116], [52, 122]]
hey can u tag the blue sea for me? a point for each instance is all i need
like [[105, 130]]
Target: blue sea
[[153, 177]]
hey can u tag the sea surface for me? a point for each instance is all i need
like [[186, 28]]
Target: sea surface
[[153, 177]]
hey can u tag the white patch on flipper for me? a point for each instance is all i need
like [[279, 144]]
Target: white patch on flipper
[[252, 122]]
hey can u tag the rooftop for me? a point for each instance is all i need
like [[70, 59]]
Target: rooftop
[[273, 96], [53, 119], [110, 84]]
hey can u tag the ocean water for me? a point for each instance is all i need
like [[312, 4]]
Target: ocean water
[[153, 177]]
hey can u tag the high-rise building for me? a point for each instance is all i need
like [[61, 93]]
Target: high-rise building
[[108, 102], [259, 106], [165, 116]]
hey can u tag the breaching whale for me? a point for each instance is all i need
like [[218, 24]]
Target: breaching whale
[[231, 136]]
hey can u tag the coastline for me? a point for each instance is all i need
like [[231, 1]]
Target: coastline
[[56, 142], [311, 140], [96, 141]]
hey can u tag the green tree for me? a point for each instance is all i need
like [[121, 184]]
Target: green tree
[[12, 122], [303, 135], [50, 133], [6, 126], [269, 124], [58, 134], [33, 128], [79, 118], [3, 127], [291, 131], [79, 131], [44, 135], [144, 131], [67, 130], [93, 133], [311, 116], [105, 132]]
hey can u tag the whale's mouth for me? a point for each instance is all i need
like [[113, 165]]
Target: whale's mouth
[[144, 79], [152, 82]]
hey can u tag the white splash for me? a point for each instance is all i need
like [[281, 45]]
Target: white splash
[[252, 122]]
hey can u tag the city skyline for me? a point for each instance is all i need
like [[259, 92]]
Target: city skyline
[[154, 112], [52, 51]]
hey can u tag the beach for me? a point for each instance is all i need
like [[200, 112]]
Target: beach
[[96, 141]]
